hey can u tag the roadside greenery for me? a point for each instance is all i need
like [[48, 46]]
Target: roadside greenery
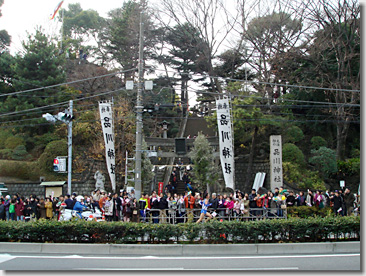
[[312, 229]]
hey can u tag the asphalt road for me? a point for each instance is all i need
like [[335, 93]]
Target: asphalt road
[[338, 262]]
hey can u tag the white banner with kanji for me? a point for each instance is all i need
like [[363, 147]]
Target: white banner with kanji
[[276, 161], [106, 117], [226, 141]]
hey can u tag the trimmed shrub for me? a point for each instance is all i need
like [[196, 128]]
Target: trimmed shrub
[[19, 169], [317, 142], [5, 153], [294, 134], [291, 153], [4, 135], [306, 212], [13, 141], [52, 150], [20, 153], [325, 160], [312, 229], [302, 178]]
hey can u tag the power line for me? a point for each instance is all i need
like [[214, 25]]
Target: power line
[[196, 118], [65, 83], [37, 111], [62, 103], [267, 83], [279, 99]]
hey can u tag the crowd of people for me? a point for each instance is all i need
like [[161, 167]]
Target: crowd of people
[[168, 207]]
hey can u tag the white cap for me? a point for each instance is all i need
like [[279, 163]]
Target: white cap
[[79, 198]]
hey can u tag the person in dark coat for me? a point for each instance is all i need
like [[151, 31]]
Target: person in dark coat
[[163, 206], [117, 203], [214, 202], [69, 202], [42, 209], [32, 208], [135, 210], [337, 203], [185, 178], [2, 210], [349, 200], [169, 187], [154, 204], [253, 202], [291, 200]]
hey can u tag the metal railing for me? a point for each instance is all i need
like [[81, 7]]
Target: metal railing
[[173, 216]]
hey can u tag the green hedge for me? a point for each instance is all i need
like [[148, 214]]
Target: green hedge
[[306, 211], [290, 230]]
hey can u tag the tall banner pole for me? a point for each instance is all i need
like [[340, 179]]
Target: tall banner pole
[[106, 117], [69, 148], [226, 141]]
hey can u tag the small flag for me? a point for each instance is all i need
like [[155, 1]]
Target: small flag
[[56, 10]]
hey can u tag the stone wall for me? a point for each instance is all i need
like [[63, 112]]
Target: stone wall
[[240, 174], [26, 189], [84, 183]]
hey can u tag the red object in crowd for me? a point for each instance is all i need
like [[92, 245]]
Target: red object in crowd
[[160, 187]]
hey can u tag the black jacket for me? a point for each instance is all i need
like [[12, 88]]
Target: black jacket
[[290, 200], [349, 199], [154, 204], [215, 203], [252, 202], [117, 203], [337, 200], [163, 203], [69, 204]]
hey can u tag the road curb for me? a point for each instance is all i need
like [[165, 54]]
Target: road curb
[[180, 249]]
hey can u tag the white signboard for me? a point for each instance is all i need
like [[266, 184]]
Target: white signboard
[[342, 183], [62, 164], [106, 117], [226, 141], [276, 161]]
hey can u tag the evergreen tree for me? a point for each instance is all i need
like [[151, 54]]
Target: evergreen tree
[[205, 172], [38, 66], [5, 38]]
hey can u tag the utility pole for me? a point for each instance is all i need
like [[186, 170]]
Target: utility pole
[[139, 107], [65, 117], [69, 147]]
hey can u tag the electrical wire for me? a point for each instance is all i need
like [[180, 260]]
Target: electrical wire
[[278, 99], [197, 118], [96, 107], [62, 103], [66, 83], [267, 83]]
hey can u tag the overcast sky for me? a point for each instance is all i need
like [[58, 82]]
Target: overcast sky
[[20, 16]]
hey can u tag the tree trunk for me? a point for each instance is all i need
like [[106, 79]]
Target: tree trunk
[[183, 93], [342, 130]]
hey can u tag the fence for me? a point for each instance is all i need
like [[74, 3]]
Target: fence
[[172, 216]]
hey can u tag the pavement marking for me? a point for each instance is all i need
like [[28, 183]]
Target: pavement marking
[[198, 269], [185, 258], [98, 268], [149, 257], [6, 257]]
